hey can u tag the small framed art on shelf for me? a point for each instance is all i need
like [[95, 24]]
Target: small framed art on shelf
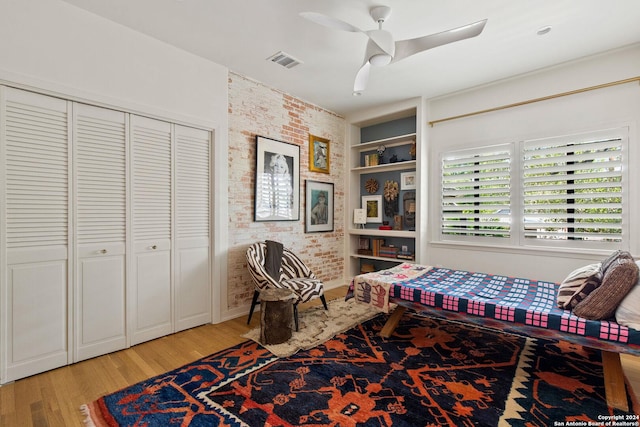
[[408, 181], [373, 207]]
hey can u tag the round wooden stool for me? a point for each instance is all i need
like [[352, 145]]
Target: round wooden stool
[[276, 315]]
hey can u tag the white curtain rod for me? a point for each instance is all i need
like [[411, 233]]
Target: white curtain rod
[[531, 101]]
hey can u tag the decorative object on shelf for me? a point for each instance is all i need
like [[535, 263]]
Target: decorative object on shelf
[[360, 217], [373, 207], [390, 198], [408, 180], [397, 222], [367, 268], [318, 207], [412, 150], [364, 247], [394, 159], [371, 186], [405, 254], [319, 160], [381, 149], [277, 181], [409, 205]]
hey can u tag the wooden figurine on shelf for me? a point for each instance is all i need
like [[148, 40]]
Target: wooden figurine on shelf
[[390, 193], [409, 205], [397, 222], [412, 150]]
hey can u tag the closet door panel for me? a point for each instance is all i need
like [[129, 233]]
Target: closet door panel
[[193, 235], [150, 296], [38, 313], [153, 286], [100, 147], [194, 296], [35, 235]]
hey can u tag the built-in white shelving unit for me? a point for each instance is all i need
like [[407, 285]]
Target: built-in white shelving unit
[[396, 141]]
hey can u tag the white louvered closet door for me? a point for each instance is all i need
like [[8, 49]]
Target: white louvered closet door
[[100, 148], [192, 198], [150, 286], [34, 243]]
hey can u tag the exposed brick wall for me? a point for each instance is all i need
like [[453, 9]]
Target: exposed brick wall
[[256, 109]]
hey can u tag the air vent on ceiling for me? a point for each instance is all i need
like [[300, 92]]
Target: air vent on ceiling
[[284, 59]]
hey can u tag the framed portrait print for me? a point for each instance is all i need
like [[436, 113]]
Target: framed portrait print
[[408, 181], [318, 154], [373, 207], [277, 181], [318, 207]]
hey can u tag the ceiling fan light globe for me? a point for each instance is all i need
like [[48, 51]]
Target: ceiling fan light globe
[[380, 59]]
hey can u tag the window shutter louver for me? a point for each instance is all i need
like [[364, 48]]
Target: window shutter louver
[[572, 187], [37, 179], [192, 183], [476, 197], [101, 169]]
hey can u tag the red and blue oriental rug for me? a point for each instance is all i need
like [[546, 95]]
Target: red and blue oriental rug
[[431, 372]]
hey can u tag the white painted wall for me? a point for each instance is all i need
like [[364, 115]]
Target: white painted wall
[[598, 109], [50, 44], [59, 49]]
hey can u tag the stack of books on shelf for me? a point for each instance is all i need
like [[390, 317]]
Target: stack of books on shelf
[[405, 255], [371, 160], [388, 251]]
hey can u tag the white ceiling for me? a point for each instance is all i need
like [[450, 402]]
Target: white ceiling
[[242, 34]]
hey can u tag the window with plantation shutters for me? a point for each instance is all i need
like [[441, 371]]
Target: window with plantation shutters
[[476, 193], [192, 183], [37, 180], [572, 187], [557, 192]]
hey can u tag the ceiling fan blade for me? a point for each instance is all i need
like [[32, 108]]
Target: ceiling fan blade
[[405, 48], [383, 40], [362, 77], [330, 22]]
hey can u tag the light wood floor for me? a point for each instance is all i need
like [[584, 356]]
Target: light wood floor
[[53, 398]]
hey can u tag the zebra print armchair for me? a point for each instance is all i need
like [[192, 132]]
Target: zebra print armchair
[[294, 276]]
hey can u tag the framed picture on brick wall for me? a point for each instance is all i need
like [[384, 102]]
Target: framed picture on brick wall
[[277, 181], [319, 207], [319, 154]]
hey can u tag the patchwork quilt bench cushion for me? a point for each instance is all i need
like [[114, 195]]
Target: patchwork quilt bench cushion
[[523, 302]]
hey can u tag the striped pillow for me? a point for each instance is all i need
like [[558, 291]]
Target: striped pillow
[[618, 280], [578, 284]]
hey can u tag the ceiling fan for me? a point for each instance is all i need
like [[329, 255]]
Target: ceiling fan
[[382, 50]]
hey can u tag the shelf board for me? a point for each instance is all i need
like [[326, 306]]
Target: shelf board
[[387, 142], [381, 258], [382, 233], [408, 164]]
